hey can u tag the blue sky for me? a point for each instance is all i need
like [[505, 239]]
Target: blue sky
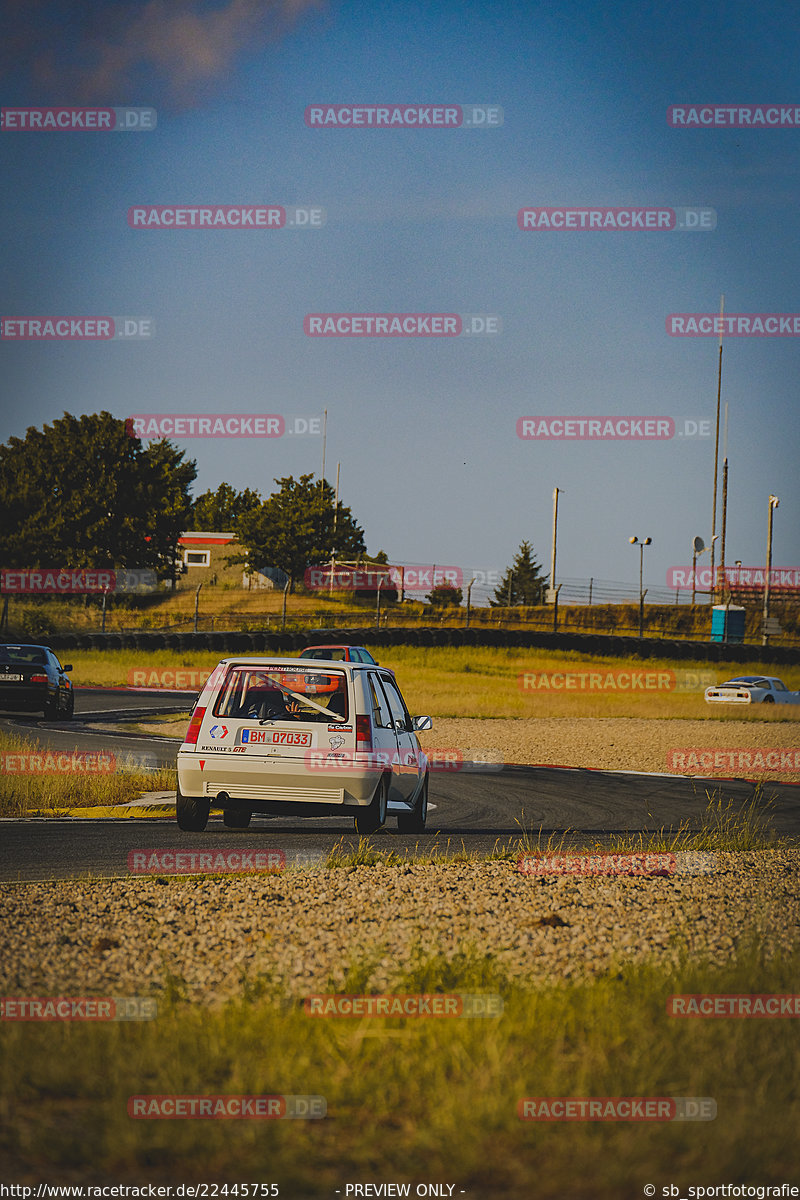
[[424, 221]]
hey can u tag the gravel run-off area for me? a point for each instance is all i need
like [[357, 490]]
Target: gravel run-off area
[[299, 930], [605, 743]]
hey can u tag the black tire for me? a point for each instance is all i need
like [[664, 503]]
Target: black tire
[[51, 709], [370, 819], [70, 709], [191, 812], [768, 700], [414, 820], [236, 818]]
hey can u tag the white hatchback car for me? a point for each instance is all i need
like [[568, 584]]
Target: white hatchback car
[[295, 736]]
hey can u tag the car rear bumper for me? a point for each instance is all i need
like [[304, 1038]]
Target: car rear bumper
[[29, 697], [274, 781]]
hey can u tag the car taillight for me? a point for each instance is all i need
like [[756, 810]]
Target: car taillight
[[194, 726], [38, 679], [363, 733]]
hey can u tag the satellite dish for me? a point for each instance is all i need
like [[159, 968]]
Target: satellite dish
[[698, 545]]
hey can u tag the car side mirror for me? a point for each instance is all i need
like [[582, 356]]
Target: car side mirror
[[68, 667], [420, 724]]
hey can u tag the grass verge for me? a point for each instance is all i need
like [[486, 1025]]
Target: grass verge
[[487, 682], [419, 1100], [35, 782]]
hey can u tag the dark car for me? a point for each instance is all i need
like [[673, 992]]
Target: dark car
[[33, 680]]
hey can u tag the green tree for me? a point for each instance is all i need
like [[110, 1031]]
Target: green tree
[[523, 582], [444, 595], [82, 492], [294, 528], [221, 511]]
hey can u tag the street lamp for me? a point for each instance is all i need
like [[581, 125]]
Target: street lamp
[[773, 504], [641, 543]]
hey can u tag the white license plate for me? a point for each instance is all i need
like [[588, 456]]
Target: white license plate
[[275, 737], [11, 678]]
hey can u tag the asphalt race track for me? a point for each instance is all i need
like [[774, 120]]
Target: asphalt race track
[[473, 810]]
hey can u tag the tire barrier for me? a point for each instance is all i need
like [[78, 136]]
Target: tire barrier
[[268, 642]]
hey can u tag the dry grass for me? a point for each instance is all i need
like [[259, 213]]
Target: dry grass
[[418, 1100], [490, 682], [85, 783]]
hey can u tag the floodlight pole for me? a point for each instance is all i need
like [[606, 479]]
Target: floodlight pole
[[641, 543], [716, 456]]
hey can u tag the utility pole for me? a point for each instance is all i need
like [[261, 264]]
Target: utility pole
[[724, 525], [553, 589], [773, 504], [378, 604], [196, 605], [469, 598], [283, 615], [555, 531], [716, 456], [724, 504], [335, 515]]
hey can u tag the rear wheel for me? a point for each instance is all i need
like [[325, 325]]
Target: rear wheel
[[371, 818], [51, 709], [191, 812], [768, 700], [236, 818], [414, 820], [70, 709]]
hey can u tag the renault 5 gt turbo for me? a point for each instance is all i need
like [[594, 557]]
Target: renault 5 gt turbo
[[301, 737]]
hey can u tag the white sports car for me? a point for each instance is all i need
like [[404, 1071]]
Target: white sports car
[[752, 689]]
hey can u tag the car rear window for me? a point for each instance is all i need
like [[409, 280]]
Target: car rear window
[[337, 654], [285, 694], [23, 654]]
